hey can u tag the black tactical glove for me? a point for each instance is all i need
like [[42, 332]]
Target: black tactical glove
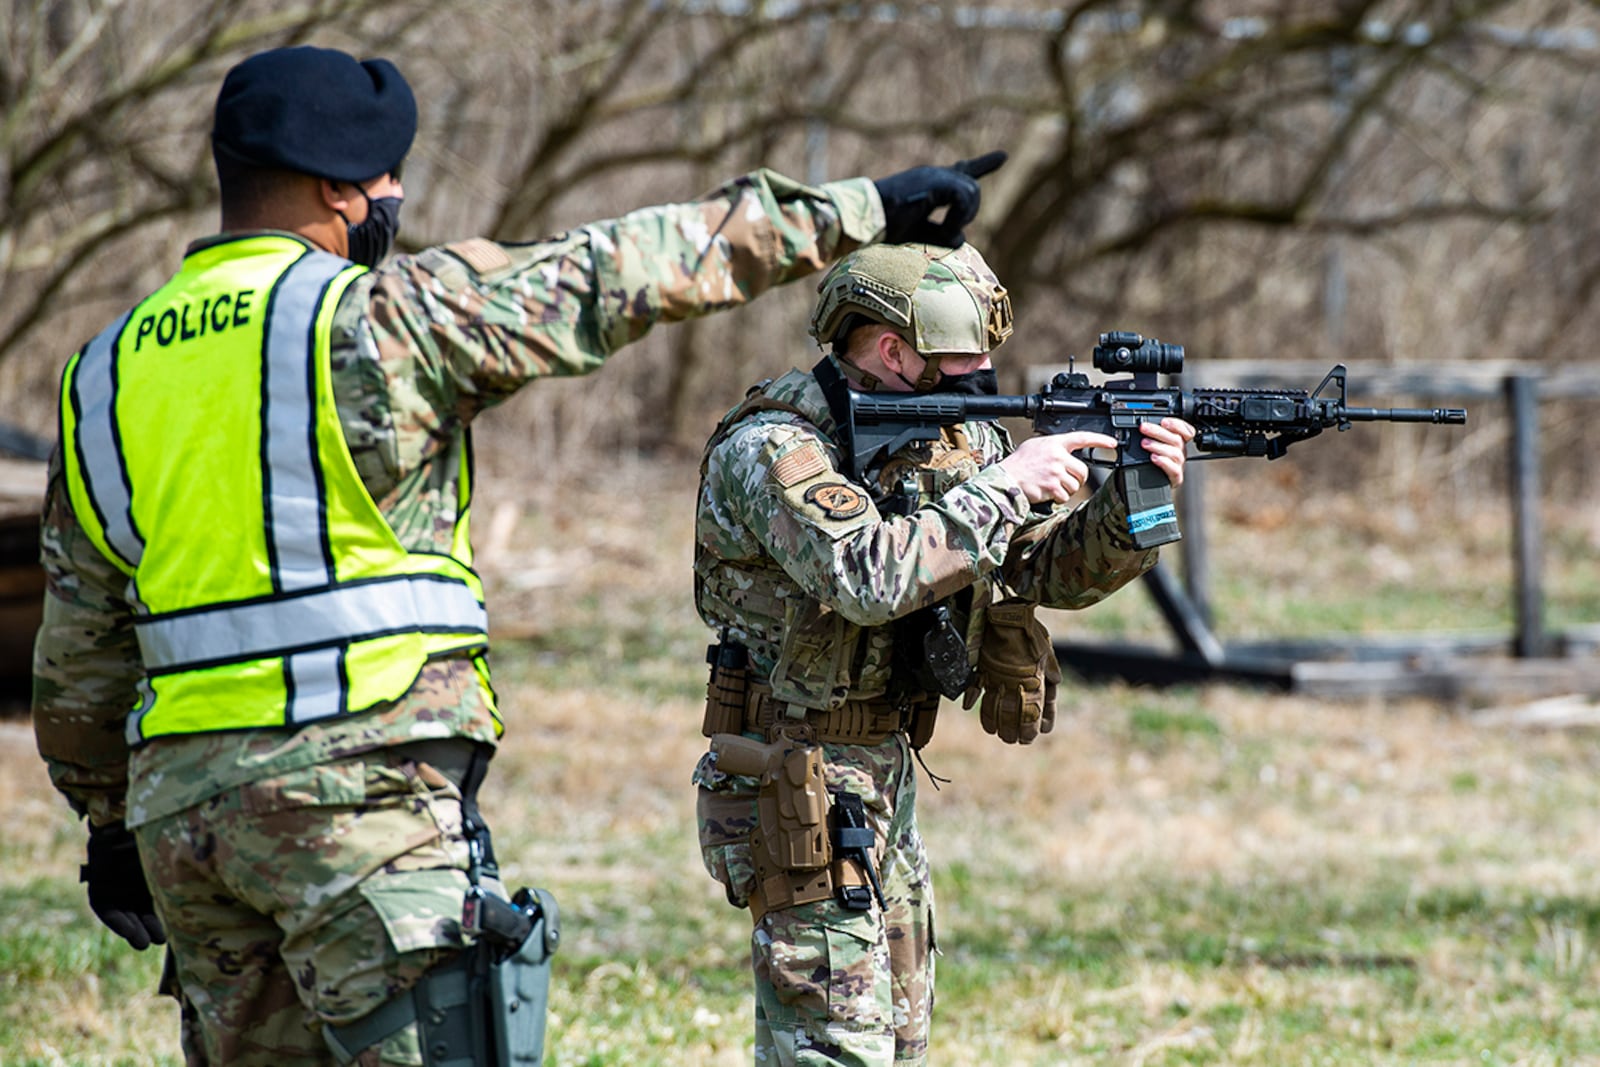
[[118, 893], [911, 195]]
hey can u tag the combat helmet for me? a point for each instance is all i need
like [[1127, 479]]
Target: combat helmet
[[946, 301]]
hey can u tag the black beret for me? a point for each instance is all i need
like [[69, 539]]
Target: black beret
[[317, 111]]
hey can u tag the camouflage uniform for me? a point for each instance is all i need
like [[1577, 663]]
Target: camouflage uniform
[[306, 875], [798, 564]]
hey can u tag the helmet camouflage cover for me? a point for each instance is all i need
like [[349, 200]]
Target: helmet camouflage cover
[[947, 300]]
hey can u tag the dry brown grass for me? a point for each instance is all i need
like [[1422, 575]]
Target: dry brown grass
[[1136, 793]]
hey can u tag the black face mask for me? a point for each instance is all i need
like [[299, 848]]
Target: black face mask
[[373, 236], [973, 383]]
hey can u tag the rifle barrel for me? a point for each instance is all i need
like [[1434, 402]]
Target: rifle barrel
[[1452, 416]]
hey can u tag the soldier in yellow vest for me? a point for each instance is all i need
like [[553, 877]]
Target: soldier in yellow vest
[[261, 672]]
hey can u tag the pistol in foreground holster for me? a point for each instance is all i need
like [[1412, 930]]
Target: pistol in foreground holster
[[727, 689], [790, 845]]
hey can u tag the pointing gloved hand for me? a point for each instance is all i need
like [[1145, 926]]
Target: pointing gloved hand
[[1017, 674], [118, 893], [911, 195]]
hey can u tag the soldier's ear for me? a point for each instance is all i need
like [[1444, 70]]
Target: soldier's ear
[[337, 196], [893, 352]]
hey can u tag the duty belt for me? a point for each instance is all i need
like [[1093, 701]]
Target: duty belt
[[856, 722]]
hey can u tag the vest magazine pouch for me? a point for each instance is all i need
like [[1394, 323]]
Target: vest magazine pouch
[[944, 652], [727, 690], [814, 658]]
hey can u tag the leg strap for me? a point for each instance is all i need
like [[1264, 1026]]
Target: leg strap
[[447, 1005]]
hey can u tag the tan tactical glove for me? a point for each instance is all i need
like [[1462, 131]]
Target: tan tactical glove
[[1017, 673]]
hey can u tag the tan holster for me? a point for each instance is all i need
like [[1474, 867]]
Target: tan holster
[[789, 847]]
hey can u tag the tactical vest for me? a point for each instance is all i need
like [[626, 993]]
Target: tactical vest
[[205, 458], [819, 658]]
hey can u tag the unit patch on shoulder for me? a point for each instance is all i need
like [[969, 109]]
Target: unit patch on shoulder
[[798, 464], [483, 256], [837, 500]]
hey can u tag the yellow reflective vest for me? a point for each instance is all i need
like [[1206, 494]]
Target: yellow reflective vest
[[205, 459]]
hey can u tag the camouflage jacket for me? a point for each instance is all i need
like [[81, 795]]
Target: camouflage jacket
[[799, 564], [420, 346]]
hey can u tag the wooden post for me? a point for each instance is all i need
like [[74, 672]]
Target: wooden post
[[1196, 576], [1186, 622], [1527, 533]]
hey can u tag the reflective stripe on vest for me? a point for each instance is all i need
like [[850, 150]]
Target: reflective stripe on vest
[[296, 544], [267, 587], [99, 456], [232, 633]]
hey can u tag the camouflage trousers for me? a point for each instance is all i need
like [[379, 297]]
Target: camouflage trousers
[[834, 986], [307, 899]]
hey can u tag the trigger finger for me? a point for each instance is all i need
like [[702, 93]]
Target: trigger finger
[[1098, 442]]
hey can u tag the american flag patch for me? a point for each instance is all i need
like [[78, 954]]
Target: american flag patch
[[795, 466]]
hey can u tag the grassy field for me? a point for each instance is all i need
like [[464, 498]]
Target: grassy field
[[1196, 876]]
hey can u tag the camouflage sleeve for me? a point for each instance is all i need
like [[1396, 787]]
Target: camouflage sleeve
[[1073, 559], [778, 484], [85, 664], [481, 319]]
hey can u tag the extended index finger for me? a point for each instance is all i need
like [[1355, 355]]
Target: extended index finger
[[978, 166], [1078, 439]]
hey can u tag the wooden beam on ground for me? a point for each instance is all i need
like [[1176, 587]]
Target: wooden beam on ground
[[1469, 668], [1566, 712], [1463, 679]]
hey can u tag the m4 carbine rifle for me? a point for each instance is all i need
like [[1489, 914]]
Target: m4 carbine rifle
[[1229, 422]]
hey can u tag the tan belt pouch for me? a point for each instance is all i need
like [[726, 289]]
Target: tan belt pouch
[[727, 691]]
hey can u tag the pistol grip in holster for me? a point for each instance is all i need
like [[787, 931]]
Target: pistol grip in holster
[[789, 847], [792, 830]]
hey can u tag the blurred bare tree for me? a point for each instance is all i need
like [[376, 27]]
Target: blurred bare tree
[[1402, 180]]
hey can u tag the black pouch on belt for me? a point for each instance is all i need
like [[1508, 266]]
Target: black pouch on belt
[[853, 839]]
